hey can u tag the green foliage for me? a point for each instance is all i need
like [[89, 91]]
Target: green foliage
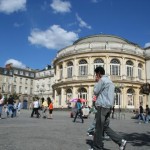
[[15, 96]]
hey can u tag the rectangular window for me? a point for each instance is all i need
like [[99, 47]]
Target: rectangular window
[[115, 69], [83, 70], [27, 73], [15, 71], [139, 73], [21, 72], [5, 71], [26, 81], [20, 89], [26, 90], [129, 71], [14, 88], [31, 91], [9, 88], [98, 64], [69, 72], [31, 82], [61, 73], [31, 74], [15, 79], [20, 80], [130, 100]]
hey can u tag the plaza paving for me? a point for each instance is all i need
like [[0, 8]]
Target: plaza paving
[[60, 133]]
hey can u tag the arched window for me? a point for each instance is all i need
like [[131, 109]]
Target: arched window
[[130, 98], [69, 69], [140, 66], [68, 95], [61, 71], [98, 62], [115, 67], [129, 68], [83, 67], [117, 99], [82, 93]]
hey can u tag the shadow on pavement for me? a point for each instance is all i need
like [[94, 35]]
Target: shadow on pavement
[[138, 139], [90, 143]]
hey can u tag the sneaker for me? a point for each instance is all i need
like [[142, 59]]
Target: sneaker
[[106, 137], [123, 145], [88, 134]]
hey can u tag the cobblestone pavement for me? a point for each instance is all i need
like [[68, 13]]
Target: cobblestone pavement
[[60, 133]]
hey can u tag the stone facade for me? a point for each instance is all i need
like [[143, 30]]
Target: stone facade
[[123, 61]]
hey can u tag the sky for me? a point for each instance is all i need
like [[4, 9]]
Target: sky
[[33, 31]]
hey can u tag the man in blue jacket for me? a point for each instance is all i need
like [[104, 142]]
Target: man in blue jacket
[[104, 90]]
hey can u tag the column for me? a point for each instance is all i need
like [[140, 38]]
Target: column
[[90, 94], [55, 99], [124, 98], [64, 70], [135, 70], [123, 69], [57, 73], [75, 69], [91, 68], [62, 97], [107, 65], [136, 98]]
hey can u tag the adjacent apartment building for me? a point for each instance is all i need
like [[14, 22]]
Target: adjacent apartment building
[[26, 83]]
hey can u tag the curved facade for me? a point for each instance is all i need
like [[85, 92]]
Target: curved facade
[[123, 61]]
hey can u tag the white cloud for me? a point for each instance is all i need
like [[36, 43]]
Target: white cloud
[[147, 45], [82, 23], [54, 37], [10, 6], [15, 63], [60, 6]]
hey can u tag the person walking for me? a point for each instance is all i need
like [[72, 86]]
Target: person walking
[[44, 107], [104, 90], [79, 111], [19, 107], [1, 105], [147, 117], [35, 108], [10, 103], [141, 114], [50, 108]]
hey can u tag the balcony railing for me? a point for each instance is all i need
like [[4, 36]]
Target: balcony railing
[[91, 77]]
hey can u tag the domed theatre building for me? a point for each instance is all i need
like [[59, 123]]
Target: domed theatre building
[[124, 62]]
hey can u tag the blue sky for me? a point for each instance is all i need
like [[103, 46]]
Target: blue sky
[[32, 31]]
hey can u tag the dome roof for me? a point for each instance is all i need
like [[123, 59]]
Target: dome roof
[[102, 38]]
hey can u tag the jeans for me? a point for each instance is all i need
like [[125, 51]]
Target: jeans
[[102, 124], [1, 107], [147, 118], [141, 117], [35, 111], [10, 110], [91, 129], [79, 112]]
